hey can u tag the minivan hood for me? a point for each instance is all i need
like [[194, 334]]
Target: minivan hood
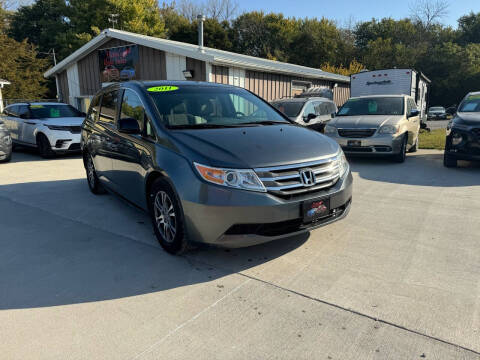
[[255, 146], [467, 118], [66, 121], [365, 121]]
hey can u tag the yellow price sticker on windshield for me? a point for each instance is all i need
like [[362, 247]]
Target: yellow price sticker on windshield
[[473, 97], [162, 88], [36, 106]]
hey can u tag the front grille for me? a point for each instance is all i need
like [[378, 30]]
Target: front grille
[[75, 129], [356, 133], [286, 181]]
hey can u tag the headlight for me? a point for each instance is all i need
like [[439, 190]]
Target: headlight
[[57, 127], [330, 129], [388, 129], [342, 163], [457, 138], [245, 179]]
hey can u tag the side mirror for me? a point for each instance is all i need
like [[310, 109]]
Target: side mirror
[[413, 113], [333, 115], [128, 126], [310, 117]]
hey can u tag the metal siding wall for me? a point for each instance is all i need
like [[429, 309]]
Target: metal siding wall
[[63, 83], [220, 74], [198, 67], [341, 94], [151, 66]]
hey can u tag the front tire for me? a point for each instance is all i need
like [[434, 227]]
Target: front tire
[[92, 179], [449, 161], [44, 147], [401, 156], [167, 217]]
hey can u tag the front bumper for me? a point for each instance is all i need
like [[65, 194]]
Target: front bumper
[[237, 218], [468, 149], [64, 141], [437, 117], [376, 145], [5, 146]]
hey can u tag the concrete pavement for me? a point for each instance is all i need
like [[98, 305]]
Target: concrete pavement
[[82, 276]]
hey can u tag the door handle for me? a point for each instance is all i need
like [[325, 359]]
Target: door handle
[[30, 122]]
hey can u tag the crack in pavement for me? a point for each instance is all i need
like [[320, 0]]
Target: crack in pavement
[[386, 322]]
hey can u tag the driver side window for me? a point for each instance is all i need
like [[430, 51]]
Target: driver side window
[[309, 109]]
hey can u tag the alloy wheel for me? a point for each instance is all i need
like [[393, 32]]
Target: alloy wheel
[[91, 172], [165, 216]]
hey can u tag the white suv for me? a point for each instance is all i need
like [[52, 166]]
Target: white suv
[[50, 127]]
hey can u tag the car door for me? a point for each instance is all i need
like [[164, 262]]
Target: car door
[[413, 122], [107, 142], [13, 122], [27, 125], [308, 109], [134, 155]]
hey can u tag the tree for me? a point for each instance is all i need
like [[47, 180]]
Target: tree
[[39, 23], [353, 68], [220, 10], [429, 12], [469, 27], [21, 66], [316, 43]]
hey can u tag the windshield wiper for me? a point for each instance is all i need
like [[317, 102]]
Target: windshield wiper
[[266, 122], [200, 126]]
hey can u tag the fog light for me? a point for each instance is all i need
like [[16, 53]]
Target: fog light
[[456, 139]]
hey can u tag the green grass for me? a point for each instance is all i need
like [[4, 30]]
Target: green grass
[[434, 139]]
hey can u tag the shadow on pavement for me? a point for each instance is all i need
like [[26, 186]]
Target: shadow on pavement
[[418, 169], [62, 245], [23, 154]]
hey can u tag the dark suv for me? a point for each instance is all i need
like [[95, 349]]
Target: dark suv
[[212, 163]]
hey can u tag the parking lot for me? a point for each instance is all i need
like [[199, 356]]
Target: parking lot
[[82, 276]]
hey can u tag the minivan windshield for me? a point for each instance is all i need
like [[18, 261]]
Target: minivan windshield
[[209, 106], [372, 106], [53, 111], [470, 104], [289, 108]]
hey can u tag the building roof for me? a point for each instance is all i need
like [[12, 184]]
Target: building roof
[[214, 56]]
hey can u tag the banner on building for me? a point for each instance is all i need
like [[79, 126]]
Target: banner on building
[[119, 63]]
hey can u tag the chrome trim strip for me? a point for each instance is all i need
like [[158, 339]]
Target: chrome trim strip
[[324, 179], [299, 165]]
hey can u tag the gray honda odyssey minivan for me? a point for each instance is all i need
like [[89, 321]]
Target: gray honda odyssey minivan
[[212, 163]]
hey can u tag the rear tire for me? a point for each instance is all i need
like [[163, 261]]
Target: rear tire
[[92, 179], [401, 156], [167, 217], [44, 147], [449, 161]]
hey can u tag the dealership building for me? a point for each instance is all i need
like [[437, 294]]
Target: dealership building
[[116, 55]]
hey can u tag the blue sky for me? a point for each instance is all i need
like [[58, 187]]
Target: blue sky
[[341, 10]]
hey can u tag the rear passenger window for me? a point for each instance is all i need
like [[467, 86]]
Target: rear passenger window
[[108, 110]]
